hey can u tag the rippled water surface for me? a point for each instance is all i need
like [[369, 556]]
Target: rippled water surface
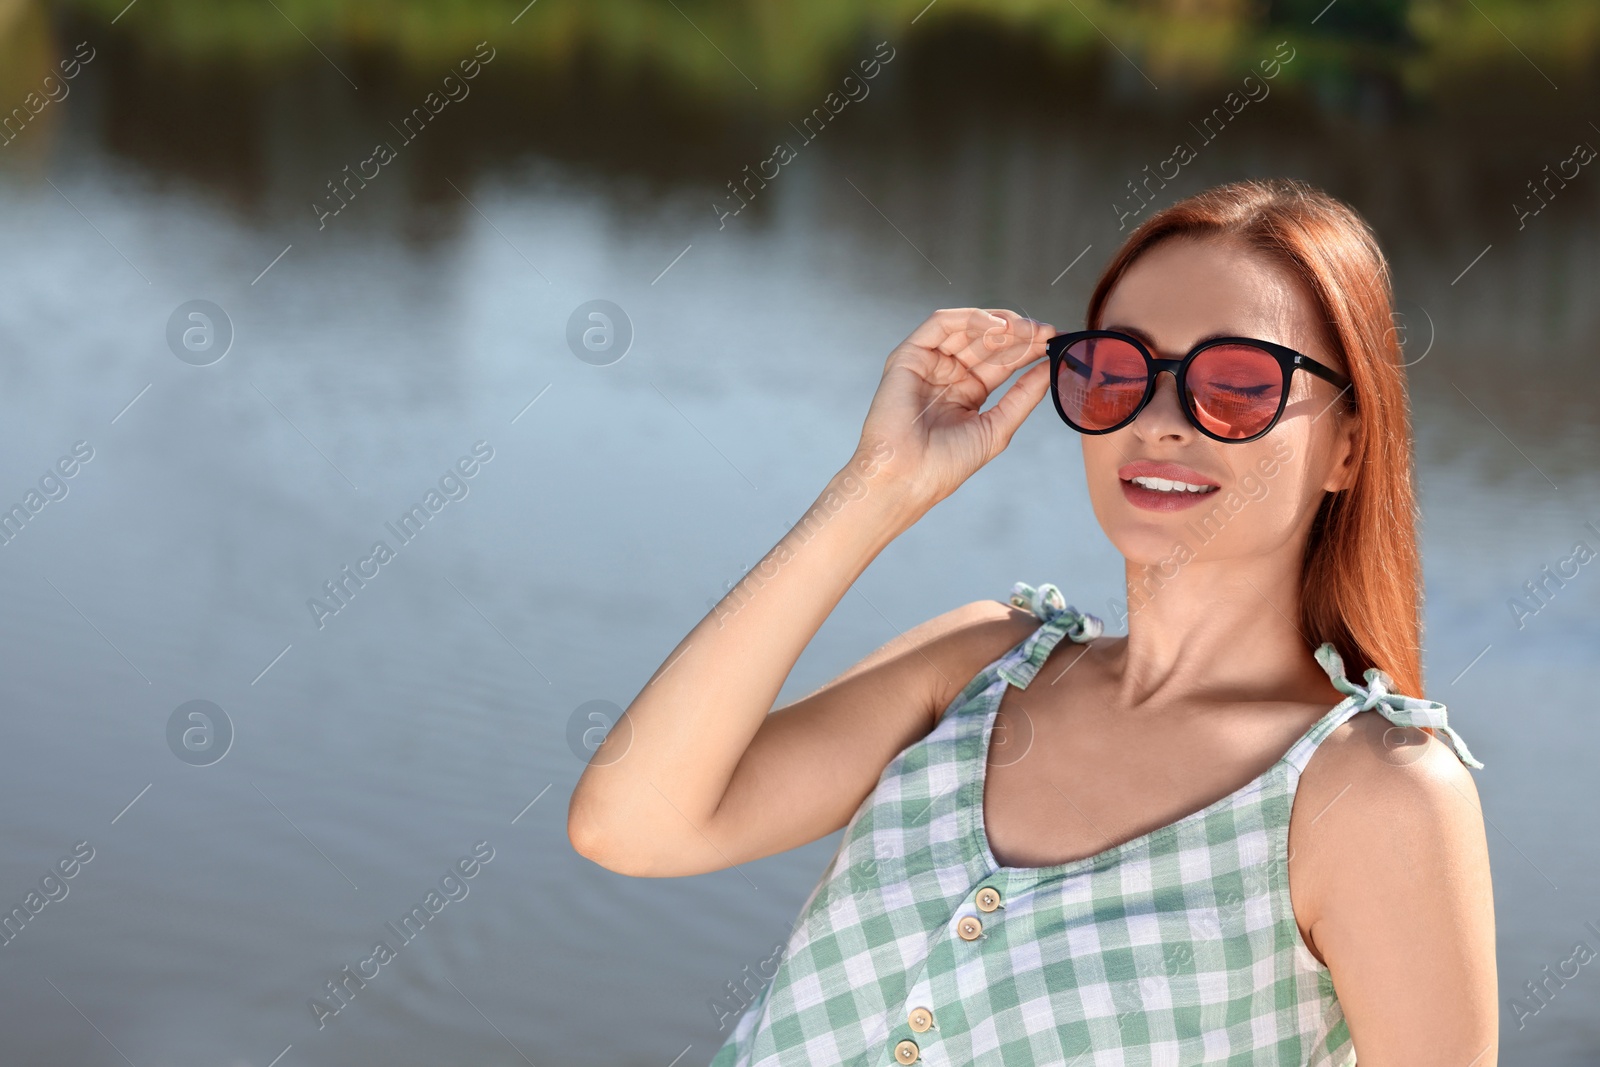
[[375, 747]]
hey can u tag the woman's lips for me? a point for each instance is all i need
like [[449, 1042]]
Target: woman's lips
[[1156, 500], [1175, 472]]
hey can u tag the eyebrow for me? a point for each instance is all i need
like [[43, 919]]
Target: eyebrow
[[1150, 342]]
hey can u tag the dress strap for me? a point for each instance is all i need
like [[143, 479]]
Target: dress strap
[[1059, 619], [1376, 695]]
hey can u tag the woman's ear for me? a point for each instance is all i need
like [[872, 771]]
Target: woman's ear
[[1342, 474]]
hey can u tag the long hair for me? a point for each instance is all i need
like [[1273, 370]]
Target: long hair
[[1361, 584]]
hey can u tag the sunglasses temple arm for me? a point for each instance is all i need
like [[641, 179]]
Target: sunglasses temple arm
[[1327, 374]]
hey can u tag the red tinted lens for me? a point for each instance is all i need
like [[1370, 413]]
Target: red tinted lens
[[1101, 381], [1235, 389]]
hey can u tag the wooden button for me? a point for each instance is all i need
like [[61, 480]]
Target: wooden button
[[988, 899], [906, 1052], [921, 1020], [969, 928]]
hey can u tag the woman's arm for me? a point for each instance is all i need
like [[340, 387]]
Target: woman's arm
[[1394, 875], [657, 796]]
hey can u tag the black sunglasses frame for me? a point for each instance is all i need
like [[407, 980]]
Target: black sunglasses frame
[[1288, 359]]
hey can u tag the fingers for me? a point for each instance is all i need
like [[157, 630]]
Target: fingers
[[949, 330], [997, 338], [1014, 405], [1001, 351], [1022, 328]]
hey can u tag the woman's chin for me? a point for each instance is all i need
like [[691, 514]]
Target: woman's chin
[[1151, 549]]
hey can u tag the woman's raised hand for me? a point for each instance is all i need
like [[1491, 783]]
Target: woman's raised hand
[[926, 417], [707, 774]]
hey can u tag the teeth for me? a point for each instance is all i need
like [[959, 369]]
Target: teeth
[[1164, 486]]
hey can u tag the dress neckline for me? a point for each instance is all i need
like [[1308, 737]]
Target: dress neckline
[[1143, 841], [1058, 619]]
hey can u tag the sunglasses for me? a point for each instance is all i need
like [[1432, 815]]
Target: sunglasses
[[1231, 389]]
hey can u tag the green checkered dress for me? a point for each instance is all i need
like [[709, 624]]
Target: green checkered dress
[[1178, 947]]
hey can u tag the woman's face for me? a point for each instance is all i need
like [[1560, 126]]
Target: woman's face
[[1267, 490]]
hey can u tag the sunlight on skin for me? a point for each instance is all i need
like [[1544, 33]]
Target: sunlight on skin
[[1177, 293]]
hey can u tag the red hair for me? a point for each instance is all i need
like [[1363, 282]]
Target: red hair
[[1361, 584]]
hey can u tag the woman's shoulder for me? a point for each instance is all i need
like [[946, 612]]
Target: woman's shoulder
[[1390, 880], [1382, 811], [980, 624], [1391, 768], [961, 643]]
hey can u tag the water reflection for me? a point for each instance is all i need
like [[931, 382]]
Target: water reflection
[[432, 709]]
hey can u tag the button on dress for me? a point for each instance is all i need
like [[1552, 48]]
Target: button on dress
[[1178, 947]]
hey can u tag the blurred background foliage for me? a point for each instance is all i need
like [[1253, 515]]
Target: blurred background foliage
[[721, 48]]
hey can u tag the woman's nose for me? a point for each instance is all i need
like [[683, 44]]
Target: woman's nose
[[1164, 413]]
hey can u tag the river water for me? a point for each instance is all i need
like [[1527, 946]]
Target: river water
[[422, 331]]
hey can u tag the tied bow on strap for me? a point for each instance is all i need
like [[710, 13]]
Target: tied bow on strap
[[1051, 606], [1058, 619], [1398, 708]]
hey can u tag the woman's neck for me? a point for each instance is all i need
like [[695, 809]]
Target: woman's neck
[[1222, 628]]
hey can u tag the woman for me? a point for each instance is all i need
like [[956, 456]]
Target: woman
[[1204, 842]]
